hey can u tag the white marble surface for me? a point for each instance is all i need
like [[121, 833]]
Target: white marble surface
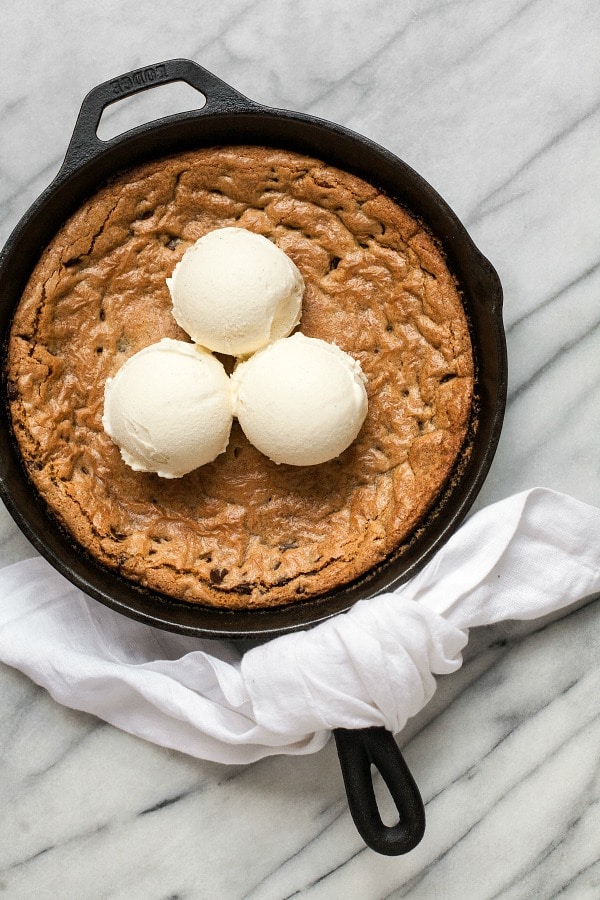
[[498, 106]]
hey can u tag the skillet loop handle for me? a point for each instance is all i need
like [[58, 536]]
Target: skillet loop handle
[[85, 143], [357, 751]]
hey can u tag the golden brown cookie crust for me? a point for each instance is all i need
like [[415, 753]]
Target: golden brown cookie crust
[[242, 531]]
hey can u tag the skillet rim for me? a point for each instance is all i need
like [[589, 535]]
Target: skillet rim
[[87, 165]]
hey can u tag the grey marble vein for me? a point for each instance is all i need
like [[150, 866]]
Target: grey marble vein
[[490, 203], [590, 334]]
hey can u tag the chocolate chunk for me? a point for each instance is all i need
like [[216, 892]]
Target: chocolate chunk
[[217, 575]]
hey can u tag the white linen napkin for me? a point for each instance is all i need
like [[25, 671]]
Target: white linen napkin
[[521, 558]]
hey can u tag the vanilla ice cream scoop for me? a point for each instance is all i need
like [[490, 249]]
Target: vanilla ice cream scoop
[[300, 401], [169, 408], [233, 291]]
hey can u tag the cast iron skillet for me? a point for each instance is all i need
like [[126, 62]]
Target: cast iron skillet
[[230, 118]]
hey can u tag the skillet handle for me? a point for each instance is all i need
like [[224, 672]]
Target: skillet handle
[[357, 751], [85, 143]]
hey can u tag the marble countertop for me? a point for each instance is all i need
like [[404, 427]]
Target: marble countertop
[[497, 106]]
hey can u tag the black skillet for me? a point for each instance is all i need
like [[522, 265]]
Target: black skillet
[[230, 118]]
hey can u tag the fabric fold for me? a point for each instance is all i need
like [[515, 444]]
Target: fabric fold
[[524, 557]]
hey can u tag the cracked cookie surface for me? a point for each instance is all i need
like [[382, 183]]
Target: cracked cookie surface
[[242, 531]]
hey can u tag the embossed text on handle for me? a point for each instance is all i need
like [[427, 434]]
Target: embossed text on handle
[[143, 76]]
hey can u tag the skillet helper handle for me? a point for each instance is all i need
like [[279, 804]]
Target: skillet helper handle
[[85, 143], [357, 751]]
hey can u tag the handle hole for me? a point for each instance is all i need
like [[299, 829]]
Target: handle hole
[[385, 802], [162, 100]]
